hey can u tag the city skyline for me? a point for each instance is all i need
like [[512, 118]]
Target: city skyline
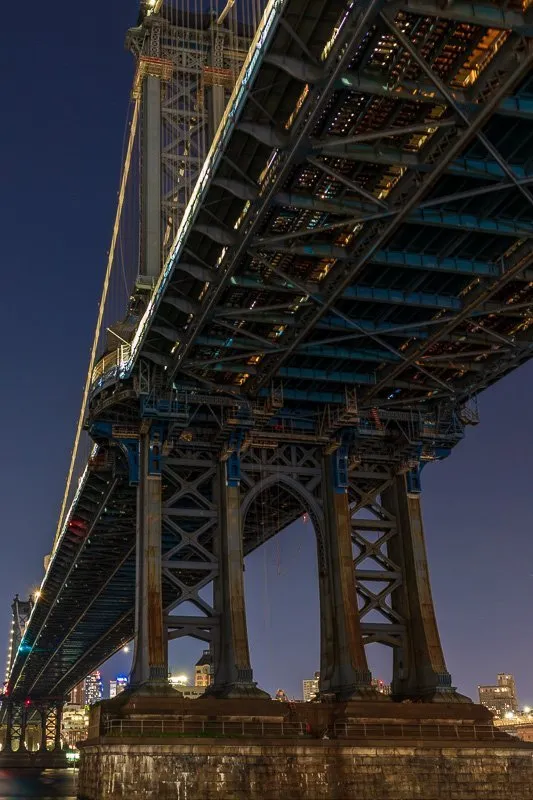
[[473, 502]]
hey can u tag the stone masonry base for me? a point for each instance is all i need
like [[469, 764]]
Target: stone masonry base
[[312, 770]]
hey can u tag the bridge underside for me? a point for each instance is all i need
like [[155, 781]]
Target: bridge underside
[[353, 268]]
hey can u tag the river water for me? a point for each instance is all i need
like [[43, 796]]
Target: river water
[[27, 784]]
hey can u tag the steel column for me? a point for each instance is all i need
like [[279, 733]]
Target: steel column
[[150, 656], [23, 726], [151, 182], [43, 713], [57, 732], [419, 666], [233, 675], [8, 747], [344, 668]]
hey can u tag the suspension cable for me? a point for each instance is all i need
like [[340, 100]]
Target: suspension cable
[[101, 308]]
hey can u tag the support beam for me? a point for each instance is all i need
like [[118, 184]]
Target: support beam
[[344, 668], [43, 713], [8, 746], [521, 228], [23, 729], [364, 293], [418, 92], [419, 667], [57, 732], [233, 676], [422, 261], [241, 189], [429, 126], [151, 178], [352, 185], [481, 168], [150, 656]]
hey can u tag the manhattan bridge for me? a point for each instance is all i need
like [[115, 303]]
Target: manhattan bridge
[[322, 254]]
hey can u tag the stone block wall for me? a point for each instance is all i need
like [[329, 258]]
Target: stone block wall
[[312, 770]]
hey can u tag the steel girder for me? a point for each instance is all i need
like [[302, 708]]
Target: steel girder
[[338, 215]]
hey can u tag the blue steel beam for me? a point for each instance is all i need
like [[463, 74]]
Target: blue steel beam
[[371, 294], [350, 354], [460, 266], [366, 293], [301, 373], [483, 168], [521, 228], [520, 105], [389, 328], [304, 396]]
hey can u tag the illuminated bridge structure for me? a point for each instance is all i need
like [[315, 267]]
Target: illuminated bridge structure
[[352, 267]]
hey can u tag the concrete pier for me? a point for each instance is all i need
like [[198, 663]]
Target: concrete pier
[[264, 750]]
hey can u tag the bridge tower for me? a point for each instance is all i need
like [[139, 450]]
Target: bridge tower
[[186, 69]]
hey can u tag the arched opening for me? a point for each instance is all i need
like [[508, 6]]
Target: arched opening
[[281, 526]]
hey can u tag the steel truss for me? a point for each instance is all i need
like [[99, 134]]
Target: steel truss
[[277, 484], [19, 716], [218, 477], [204, 60]]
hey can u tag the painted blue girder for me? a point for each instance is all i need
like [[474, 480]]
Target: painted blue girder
[[351, 354], [519, 106], [333, 322], [399, 297], [303, 396], [393, 156], [522, 228], [368, 294], [461, 266], [324, 375]]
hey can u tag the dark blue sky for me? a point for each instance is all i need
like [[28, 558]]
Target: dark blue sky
[[66, 80]]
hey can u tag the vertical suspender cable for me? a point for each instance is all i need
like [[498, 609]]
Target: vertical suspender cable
[[101, 309]]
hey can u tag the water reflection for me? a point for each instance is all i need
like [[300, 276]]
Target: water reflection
[[31, 784]]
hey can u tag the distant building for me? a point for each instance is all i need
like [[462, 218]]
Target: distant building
[[203, 670], [94, 688], [189, 692], [74, 725], [501, 699], [117, 686], [310, 687], [381, 686], [77, 695]]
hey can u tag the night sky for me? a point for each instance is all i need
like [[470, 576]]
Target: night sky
[[66, 80]]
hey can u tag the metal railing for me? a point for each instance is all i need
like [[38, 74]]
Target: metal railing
[[208, 728], [398, 730], [359, 731], [109, 363]]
